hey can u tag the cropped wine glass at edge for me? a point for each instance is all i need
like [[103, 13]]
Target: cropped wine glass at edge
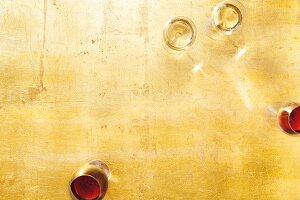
[[90, 182], [226, 18], [288, 117]]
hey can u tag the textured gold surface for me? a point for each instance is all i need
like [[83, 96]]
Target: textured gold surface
[[90, 79]]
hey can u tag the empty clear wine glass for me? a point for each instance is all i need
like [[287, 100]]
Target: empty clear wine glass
[[90, 182], [179, 34], [227, 17]]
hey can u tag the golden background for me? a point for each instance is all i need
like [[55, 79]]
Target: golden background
[[90, 79]]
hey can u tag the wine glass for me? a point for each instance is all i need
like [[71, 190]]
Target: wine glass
[[227, 18], [179, 34], [288, 118], [90, 182]]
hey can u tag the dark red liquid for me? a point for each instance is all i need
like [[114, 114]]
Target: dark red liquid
[[86, 188], [294, 119]]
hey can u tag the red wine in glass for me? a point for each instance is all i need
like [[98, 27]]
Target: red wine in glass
[[90, 182], [289, 118]]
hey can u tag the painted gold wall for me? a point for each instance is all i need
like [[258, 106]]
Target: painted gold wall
[[88, 79]]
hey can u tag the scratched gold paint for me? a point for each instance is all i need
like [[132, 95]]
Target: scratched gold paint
[[111, 92]]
